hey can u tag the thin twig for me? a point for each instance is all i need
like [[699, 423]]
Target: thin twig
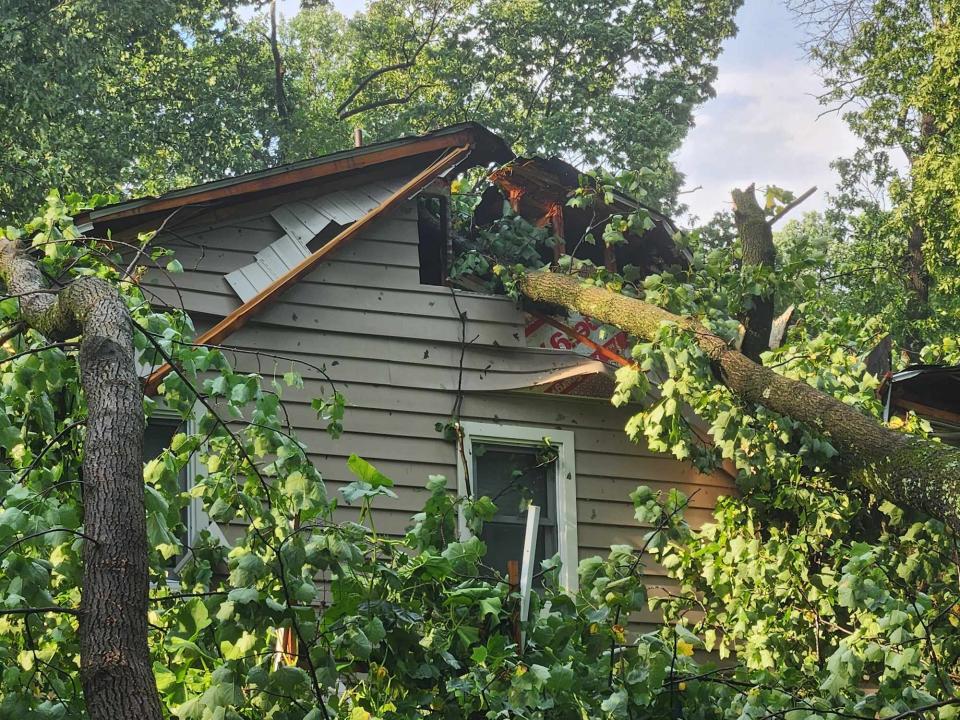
[[40, 533], [39, 610], [17, 328]]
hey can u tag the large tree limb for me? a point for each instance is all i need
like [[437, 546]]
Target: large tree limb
[[115, 663], [756, 241], [908, 470]]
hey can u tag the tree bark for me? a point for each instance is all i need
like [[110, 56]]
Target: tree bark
[[756, 241], [115, 666], [905, 469], [279, 93], [917, 280]]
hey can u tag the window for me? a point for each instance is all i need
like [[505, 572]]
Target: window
[[515, 467], [160, 431], [433, 223]]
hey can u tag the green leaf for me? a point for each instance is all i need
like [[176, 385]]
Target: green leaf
[[368, 473], [244, 595]]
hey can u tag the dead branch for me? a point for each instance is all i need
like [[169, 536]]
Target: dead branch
[[791, 205]]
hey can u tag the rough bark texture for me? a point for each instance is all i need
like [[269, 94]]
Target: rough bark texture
[[756, 241], [115, 663], [917, 280], [916, 277], [905, 469]]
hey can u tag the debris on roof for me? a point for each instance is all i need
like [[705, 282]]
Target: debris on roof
[[538, 189], [931, 391]]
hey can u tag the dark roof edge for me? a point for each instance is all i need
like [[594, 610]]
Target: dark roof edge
[[912, 371], [488, 147]]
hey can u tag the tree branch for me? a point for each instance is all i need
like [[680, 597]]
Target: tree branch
[[366, 80], [39, 610], [279, 93], [373, 105], [791, 205], [408, 62]]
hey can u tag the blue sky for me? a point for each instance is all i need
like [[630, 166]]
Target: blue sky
[[762, 127]]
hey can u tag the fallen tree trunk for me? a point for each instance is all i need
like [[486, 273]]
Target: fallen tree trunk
[[908, 470], [115, 663]]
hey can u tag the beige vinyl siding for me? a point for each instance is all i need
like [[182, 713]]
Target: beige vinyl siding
[[393, 347]]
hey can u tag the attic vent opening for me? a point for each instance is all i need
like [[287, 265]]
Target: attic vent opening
[[433, 226], [324, 236]]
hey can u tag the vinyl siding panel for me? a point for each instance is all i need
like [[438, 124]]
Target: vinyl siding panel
[[394, 349]]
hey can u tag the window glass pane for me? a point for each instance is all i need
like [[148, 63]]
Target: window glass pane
[[514, 477], [505, 542], [156, 439]]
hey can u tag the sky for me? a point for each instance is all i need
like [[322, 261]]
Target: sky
[[762, 126]]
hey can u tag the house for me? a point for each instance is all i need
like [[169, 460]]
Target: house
[[341, 262]]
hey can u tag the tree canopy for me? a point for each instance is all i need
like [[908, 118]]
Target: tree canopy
[[141, 98]]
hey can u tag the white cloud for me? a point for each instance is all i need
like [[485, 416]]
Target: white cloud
[[762, 127]]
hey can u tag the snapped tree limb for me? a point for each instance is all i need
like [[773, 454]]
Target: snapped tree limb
[[756, 242], [115, 666], [905, 469]]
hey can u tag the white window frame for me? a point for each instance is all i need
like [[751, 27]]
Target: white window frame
[[565, 478], [197, 518]]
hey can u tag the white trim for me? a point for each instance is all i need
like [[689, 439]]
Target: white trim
[[566, 479], [527, 570]]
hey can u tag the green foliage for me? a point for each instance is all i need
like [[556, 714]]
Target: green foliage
[[810, 587], [104, 97], [808, 591], [890, 69], [140, 98], [610, 81]]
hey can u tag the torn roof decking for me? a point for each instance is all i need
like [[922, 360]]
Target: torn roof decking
[[538, 189]]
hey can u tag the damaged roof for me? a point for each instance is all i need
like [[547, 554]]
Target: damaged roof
[[538, 189], [931, 391], [486, 148]]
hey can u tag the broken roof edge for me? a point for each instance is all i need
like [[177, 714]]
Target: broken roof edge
[[487, 147], [570, 176]]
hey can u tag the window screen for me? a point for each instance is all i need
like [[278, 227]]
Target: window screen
[[514, 477]]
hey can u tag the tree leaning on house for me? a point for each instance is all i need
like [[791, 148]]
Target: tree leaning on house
[[418, 626]]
